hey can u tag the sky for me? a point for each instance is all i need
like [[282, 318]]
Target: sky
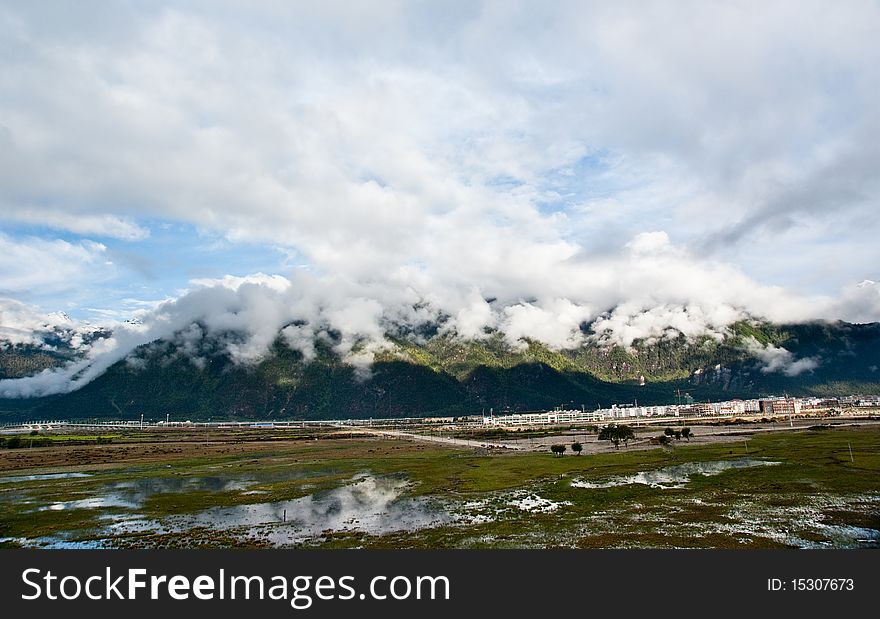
[[522, 166]]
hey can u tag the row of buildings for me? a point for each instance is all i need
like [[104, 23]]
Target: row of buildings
[[768, 407]]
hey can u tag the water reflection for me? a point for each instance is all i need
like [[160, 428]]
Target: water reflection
[[673, 476], [132, 494], [99, 502], [368, 504], [149, 486], [24, 478], [849, 537], [57, 542], [376, 505]]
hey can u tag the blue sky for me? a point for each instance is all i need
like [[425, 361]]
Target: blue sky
[[162, 265]]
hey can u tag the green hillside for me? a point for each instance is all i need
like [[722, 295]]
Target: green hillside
[[447, 376]]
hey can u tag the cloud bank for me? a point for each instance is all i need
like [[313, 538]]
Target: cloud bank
[[247, 314], [778, 359]]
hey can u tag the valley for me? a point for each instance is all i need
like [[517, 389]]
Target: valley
[[812, 486]]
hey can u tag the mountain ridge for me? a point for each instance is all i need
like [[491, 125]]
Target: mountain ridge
[[445, 375]]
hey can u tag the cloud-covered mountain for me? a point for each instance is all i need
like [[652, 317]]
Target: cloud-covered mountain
[[270, 347], [31, 341], [244, 317], [576, 177]]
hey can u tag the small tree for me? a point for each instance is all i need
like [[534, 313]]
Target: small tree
[[576, 448], [558, 450], [615, 434], [626, 433], [686, 433], [609, 433]]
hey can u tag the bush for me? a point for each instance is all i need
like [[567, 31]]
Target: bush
[[13, 443]]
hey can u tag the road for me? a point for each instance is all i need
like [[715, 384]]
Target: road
[[433, 438]]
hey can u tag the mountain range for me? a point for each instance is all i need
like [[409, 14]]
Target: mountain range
[[430, 374]]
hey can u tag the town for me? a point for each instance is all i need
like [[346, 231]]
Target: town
[[781, 406]]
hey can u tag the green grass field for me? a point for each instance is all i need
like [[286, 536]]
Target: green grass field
[[822, 490]]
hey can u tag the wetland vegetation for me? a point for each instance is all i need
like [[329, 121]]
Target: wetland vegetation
[[812, 488]]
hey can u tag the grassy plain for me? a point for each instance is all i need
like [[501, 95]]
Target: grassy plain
[[826, 484]]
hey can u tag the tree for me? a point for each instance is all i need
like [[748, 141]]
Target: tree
[[616, 433], [576, 448], [678, 435], [686, 433], [608, 433], [557, 450], [626, 433], [669, 432]]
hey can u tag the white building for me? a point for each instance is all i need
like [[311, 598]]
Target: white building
[[547, 418]]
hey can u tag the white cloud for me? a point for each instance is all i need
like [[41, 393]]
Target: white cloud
[[777, 359], [21, 323], [34, 265], [434, 139], [234, 282], [627, 322], [857, 303], [473, 317], [84, 224], [556, 323]]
